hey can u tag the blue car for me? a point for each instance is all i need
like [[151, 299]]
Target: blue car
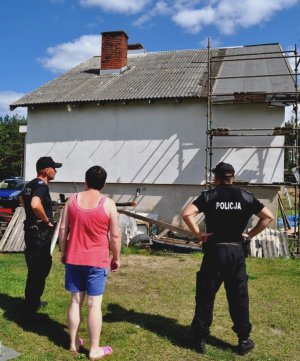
[[10, 189]]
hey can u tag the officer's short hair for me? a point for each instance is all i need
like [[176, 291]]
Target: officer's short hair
[[95, 177]]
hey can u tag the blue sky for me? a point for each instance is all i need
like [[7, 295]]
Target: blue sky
[[40, 39]]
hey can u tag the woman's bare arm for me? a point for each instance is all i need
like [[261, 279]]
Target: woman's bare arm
[[115, 238], [64, 232]]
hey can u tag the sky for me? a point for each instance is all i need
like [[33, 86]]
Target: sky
[[41, 39]]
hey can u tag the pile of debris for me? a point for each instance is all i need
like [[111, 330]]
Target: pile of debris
[[137, 229], [270, 243]]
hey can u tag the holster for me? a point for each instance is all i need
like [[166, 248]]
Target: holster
[[38, 236]]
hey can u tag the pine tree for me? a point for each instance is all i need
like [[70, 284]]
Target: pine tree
[[11, 146]]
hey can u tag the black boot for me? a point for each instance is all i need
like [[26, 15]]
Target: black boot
[[201, 345], [245, 346]]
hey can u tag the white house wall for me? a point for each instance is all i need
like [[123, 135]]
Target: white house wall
[[136, 143], [165, 201], [161, 143], [253, 165]]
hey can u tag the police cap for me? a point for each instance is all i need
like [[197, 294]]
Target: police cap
[[224, 170], [46, 162]]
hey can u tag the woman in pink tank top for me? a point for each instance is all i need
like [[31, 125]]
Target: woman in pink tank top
[[88, 231]]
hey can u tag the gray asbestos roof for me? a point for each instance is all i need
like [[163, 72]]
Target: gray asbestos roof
[[162, 75]]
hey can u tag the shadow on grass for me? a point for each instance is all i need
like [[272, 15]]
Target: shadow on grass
[[41, 324], [177, 334]]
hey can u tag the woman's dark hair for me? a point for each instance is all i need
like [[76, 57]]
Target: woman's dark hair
[[95, 177]]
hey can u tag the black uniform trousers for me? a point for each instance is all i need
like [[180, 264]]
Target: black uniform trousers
[[222, 263], [39, 262]]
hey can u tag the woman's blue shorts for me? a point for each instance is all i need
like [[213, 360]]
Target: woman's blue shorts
[[85, 278]]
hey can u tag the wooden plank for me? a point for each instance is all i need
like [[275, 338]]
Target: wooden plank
[[280, 238], [163, 233], [13, 235], [20, 242], [12, 241], [255, 245], [158, 223], [259, 250], [126, 204], [283, 245], [55, 233], [273, 243], [10, 226], [183, 245], [269, 243], [178, 242], [272, 250], [264, 248]]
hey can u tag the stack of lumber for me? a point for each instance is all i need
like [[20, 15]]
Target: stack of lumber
[[5, 217], [270, 243], [13, 237]]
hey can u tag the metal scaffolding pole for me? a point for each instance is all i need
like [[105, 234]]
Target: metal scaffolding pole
[[297, 153], [282, 98], [208, 150], [259, 53]]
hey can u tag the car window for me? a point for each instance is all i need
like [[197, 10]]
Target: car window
[[3, 185], [9, 184], [20, 186]]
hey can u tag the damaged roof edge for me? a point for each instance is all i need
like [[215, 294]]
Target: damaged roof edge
[[102, 101]]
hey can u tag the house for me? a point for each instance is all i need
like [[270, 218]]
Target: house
[[143, 117]]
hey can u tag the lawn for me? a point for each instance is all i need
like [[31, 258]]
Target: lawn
[[148, 307]]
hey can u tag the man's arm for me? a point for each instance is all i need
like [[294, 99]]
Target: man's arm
[[38, 210], [115, 238], [265, 218], [21, 201], [188, 214]]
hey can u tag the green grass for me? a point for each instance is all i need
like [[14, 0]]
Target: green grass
[[148, 307]]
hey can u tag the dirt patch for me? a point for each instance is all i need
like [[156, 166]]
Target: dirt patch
[[277, 331], [136, 269], [159, 263]]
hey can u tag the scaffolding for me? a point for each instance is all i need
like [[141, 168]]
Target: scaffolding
[[282, 98]]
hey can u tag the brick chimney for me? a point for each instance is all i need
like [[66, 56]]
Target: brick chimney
[[114, 52]]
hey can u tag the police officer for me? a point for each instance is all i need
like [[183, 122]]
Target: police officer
[[227, 210], [38, 228]]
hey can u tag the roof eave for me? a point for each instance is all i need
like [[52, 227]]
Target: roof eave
[[36, 104]]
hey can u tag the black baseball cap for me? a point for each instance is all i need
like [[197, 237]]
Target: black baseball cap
[[46, 162], [224, 170]]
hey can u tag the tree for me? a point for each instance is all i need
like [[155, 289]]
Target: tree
[[11, 146]]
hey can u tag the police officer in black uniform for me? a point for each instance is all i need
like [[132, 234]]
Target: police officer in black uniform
[[38, 228], [227, 210]]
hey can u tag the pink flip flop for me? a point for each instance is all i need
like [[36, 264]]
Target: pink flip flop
[[75, 352], [107, 350]]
